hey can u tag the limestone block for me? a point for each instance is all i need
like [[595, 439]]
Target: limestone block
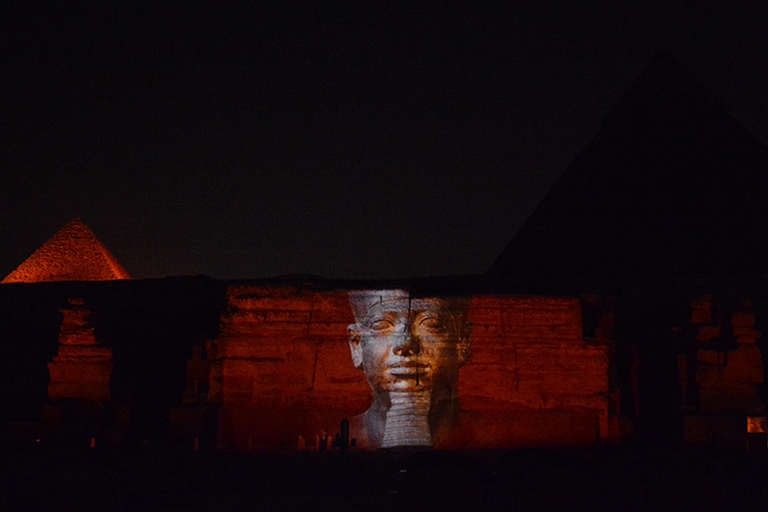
[[710, 357], [534, 358], [493, 354], [79, 390], [703, 430], [562, 381], [231, 397], [733, 399], [484, 315], [590, 358], [269, 298], [493, 301], [493, 379], [743, 328], [264, 328], [701, 311], [544, 333], [282, 377], [328, 330], [516, 429], [259, 348], [334, 370], [332, 308], [75, 318], [708, 376], [707, 333], [78, 352], [78, 336], [541, 311], [744, 365], [485, 331], [80, 371], [288, 317], [743, 319], [80, 378]]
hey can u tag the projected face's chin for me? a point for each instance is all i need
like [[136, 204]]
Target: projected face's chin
[[409, 345]]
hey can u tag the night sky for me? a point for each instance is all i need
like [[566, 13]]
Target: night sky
[[338, 140]]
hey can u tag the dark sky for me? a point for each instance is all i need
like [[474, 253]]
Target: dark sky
[[351, 142]]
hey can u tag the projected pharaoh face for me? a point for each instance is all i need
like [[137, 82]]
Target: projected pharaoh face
[[411, 350]]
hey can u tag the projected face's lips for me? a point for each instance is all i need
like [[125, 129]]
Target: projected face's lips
[[408, 370]]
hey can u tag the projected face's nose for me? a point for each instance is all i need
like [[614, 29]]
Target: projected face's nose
[[406, 342]]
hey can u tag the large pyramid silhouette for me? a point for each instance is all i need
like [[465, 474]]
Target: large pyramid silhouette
[[671, 185], [73, 254]]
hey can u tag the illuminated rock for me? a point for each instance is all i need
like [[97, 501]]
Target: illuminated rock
[[725, 373], [283, 368], [728, 378], [73, 254], [81, 369]]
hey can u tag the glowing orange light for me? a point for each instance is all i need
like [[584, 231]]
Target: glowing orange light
[[73, 254]]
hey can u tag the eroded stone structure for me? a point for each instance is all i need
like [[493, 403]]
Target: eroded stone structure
[[719, 375], [284, 369], [81, 369], [268, 362]]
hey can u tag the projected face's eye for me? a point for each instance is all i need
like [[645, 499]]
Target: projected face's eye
[[381, 323], [429, 322]]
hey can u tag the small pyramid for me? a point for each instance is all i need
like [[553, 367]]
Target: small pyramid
[[671, 185], [73, 254]]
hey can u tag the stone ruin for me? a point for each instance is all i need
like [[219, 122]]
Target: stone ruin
[[79, 385], [82, 368], [719, 374], [282, 369]]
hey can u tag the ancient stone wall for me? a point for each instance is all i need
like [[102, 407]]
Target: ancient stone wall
[[81, 368], [720, 374], [283, 369], [532, 375]]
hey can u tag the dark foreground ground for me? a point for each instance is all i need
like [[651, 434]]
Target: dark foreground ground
[[44, 479]]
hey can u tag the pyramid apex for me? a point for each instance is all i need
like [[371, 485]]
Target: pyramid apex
[[76, 227], [72, 254]]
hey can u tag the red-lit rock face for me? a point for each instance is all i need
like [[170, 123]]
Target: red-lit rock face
[[284, 369], [73, 254], [725, 368], [81, 369]]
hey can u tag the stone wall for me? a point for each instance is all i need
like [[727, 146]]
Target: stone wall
[[268, 362], [283, 369], [720, 373], [532, 376], [81, 368]]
